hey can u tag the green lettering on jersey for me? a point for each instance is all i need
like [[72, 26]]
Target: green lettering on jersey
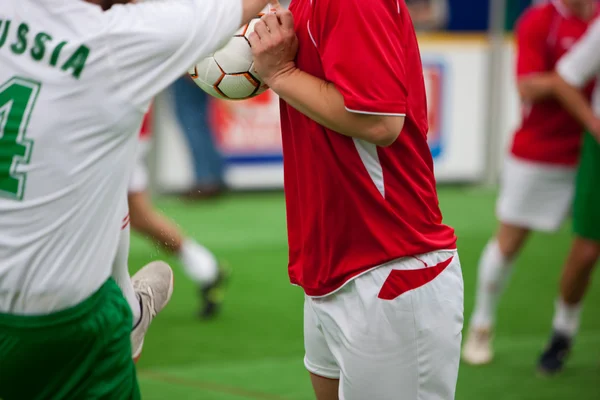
[[17, 99], [39, 47], [21, 45], [56, 53], [77, 61], [4, 34]]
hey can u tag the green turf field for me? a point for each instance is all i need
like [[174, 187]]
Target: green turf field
[[254, 349]]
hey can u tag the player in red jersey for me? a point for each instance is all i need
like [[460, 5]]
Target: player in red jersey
[[539, 173], [199, 263], [383, 310]]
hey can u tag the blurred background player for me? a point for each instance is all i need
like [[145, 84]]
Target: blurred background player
[[383, 311], [199, 263], [65, 326], [539, 174], [574, 72]]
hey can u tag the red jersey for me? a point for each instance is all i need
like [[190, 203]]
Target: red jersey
[[352, 206], [146, 129], [548, 133]]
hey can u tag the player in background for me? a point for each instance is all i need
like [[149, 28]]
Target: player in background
[[75, 83], [199, 263], [538, 178], [574, 71], [383, 310]]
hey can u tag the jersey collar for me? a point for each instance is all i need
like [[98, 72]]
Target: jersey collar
[[561, 8]]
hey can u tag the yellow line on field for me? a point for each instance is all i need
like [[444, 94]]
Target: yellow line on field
[[209, 386]]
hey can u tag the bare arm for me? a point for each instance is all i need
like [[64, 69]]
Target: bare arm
[[251, 8], [573, 72], [274, 44], [323, 103], [536, 87], [576, 104]]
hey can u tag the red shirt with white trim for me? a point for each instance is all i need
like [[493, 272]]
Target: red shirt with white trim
[[548, 133], [352, 206], [146, 129]]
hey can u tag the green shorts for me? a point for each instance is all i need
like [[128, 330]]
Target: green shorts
[[586, 205], [80, 353]]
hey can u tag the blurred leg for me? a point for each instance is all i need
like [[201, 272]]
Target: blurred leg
[[578, 270], [580, 263], [199, 263], [191, 106], [495, 267], [533, 197], [146, 220]]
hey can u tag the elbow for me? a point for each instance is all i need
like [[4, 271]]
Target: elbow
[[526, 93], [385, 139], [385, 132]]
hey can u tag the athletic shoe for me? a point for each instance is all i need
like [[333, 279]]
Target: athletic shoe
[[213, 294], [153, 285], [554, 357], [478, 347]]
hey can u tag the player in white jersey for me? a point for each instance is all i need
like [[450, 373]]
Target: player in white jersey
[[576, 69], [75, 82]]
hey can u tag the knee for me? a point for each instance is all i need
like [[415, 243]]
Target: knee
[[587, 252], [508, 249], [510, 240]]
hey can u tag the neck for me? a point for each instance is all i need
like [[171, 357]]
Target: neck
[[584, 11], [106, 4]]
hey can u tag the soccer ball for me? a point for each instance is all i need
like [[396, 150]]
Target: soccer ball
[[229, 73]]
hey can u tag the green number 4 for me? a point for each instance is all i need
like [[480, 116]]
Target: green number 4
[[17, 99]]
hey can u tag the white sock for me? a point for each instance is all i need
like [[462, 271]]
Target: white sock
[[494, 271], [120, 273], [199, 263], [566, 318]]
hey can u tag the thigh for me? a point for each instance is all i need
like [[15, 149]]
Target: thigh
[[112, 372], [535, 196], [586, 206], [403, 345], [79, 353]]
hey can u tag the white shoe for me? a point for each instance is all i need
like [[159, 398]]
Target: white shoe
[[153, 285], [478, 347]]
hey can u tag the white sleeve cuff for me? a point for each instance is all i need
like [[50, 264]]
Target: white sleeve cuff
[[569, 72]]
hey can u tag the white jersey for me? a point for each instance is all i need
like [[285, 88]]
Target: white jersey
[[582, 63], [75, 83]]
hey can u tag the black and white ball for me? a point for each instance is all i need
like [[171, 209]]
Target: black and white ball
[[229, 73]]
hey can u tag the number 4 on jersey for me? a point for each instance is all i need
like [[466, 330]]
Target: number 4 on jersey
[[17, 99]]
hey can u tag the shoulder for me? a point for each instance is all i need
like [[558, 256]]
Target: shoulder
[[367, 7], [536, 18]]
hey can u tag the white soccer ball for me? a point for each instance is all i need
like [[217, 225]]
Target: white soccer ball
[[229, 73]]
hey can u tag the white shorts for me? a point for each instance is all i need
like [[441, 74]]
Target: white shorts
[[138, 181], [399, 348], [535, 196]]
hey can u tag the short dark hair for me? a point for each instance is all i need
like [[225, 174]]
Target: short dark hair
[[107, 4]]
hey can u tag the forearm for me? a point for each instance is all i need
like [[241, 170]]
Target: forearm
[[323, 103], [574, 101], [536, 87], [251, 8]]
